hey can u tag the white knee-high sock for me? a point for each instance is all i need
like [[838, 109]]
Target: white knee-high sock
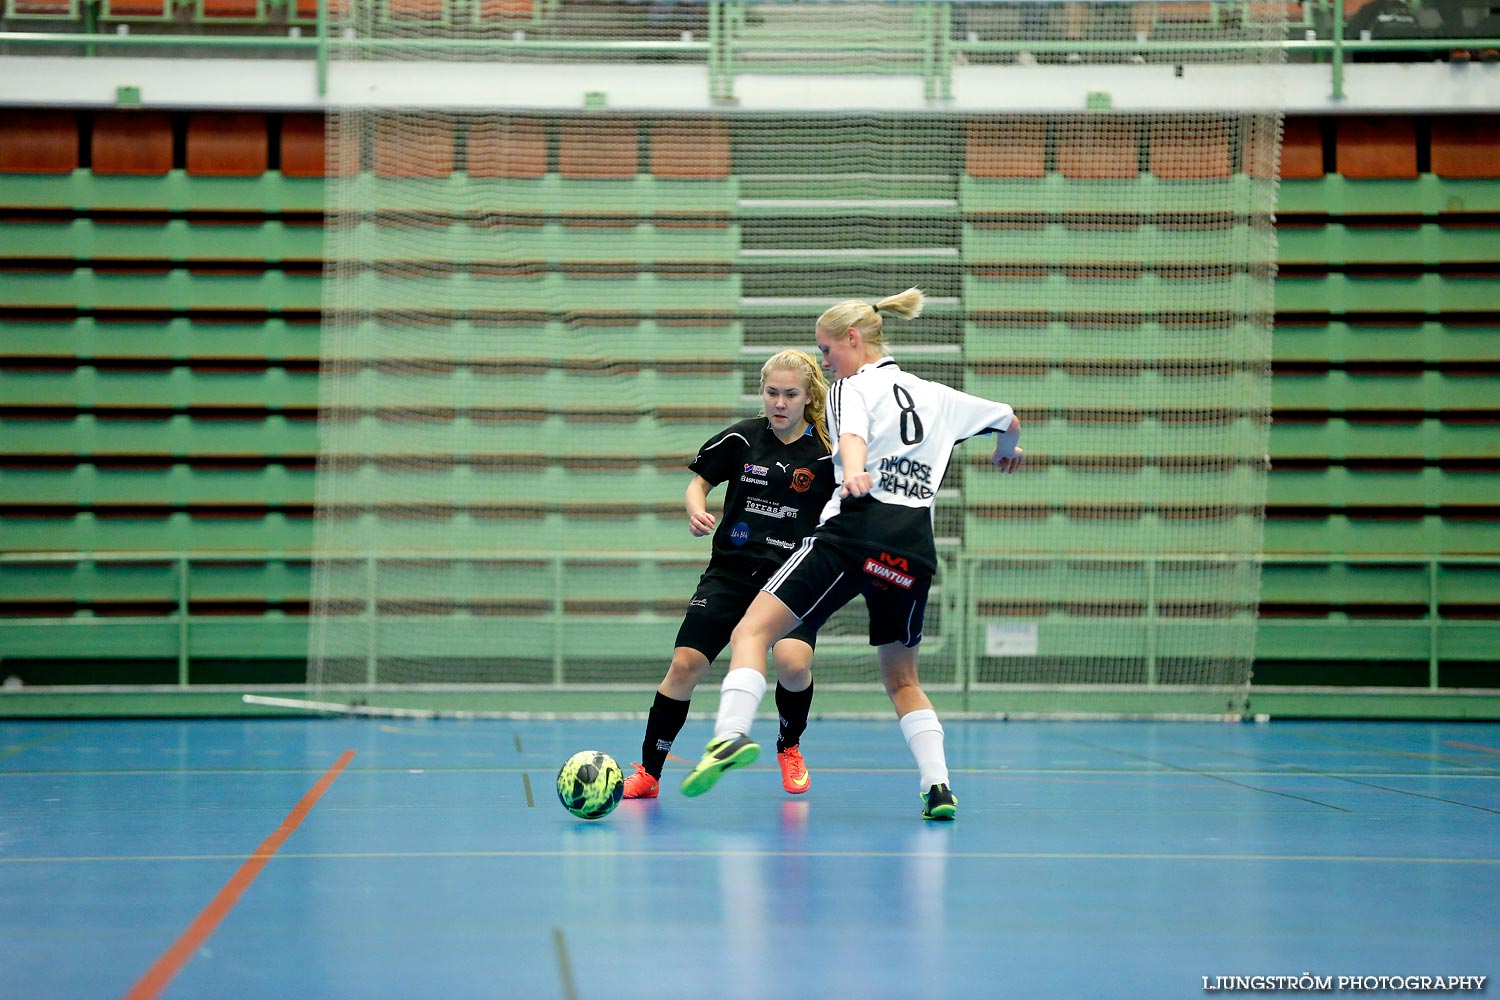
[[739, 697], [924, 734]]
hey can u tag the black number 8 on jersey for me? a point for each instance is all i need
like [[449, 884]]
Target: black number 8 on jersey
[[911, 423]]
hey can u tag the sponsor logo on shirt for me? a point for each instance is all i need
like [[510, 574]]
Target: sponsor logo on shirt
[[780, 543], [698, 602], [802, 480], [905, 477], [764, 509], [756, 470], [889, 568], [740, 533]]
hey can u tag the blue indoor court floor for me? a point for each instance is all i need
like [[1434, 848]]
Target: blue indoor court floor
[[340, 858]]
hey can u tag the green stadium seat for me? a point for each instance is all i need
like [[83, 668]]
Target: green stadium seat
[[1431, 341], [1431, 293], [1400, 436], [269, 436], [1394, 392], [177, 339], [1338, 487]]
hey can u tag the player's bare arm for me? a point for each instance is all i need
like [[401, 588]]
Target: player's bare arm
[[1008, 454], [700, 521]]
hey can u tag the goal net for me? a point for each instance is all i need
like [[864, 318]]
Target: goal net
[[542, 295]]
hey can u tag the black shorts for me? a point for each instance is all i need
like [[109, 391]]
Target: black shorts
[[824, 574], [717, 607]]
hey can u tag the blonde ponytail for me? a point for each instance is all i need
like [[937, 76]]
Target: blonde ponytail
[[837, 320]]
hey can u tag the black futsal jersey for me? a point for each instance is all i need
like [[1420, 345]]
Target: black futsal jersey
[[774, 496]]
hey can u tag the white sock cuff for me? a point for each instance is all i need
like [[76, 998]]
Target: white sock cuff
[[923, 720], [745, 679]]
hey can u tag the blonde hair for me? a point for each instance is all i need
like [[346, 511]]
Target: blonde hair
[[837, 320], [817, 387]]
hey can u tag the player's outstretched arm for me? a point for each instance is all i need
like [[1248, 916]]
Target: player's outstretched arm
[[1008, 454], [700, 521], [853, 451]]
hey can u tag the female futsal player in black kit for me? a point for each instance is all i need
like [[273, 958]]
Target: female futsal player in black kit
[[780, 476], [895, 433]]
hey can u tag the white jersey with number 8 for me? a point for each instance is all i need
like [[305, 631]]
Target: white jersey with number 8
[[911, 427]]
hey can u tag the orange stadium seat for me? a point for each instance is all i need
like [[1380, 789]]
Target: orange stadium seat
[[132, 142], [1190, 152], [1099, 151], [38, 142], [302, 146], [506, 10], [230, 9], [598, 149], [430, 155], [1376, 148], [1013, 148], [1302, 149], [1466, 147], [694, 150], [513, 148], [227, 145]]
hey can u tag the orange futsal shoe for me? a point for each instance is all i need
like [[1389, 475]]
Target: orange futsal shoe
[[641, 785], [794, 776]]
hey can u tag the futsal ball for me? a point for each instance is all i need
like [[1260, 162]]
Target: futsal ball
[[590, 784]]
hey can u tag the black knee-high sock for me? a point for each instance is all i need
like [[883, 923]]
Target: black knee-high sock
[[668, 715], [793, 707]]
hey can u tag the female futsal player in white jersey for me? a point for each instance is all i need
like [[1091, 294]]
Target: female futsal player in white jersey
[[894, 433], [779, 478]]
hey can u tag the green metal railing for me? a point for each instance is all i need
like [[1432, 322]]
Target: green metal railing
[[733, 47], [174, 634]]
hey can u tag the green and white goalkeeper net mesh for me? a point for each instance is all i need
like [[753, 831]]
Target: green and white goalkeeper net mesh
[[534, 316]]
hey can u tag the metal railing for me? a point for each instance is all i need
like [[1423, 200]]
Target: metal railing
[[729, 49], [957, 598]]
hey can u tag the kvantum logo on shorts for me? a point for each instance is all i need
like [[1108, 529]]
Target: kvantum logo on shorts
[[882, 572]]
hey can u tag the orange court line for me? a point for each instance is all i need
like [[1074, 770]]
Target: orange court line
[[1469, 746], [174, 958]]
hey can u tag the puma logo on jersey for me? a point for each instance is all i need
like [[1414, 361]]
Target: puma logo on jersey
[[783, 466]]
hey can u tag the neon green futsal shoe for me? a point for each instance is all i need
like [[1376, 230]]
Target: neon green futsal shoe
[[719, 756], [938, 802]]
